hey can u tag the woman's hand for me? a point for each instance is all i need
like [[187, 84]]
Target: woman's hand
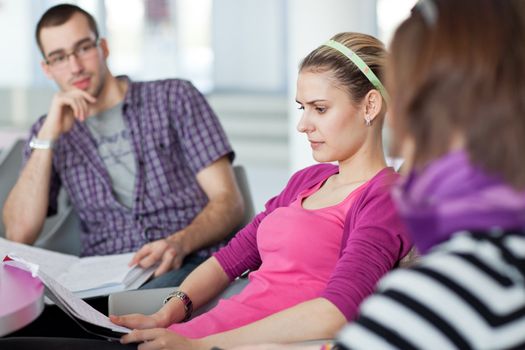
[[139, 321], [160, 338]]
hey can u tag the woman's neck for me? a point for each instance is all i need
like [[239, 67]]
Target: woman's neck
[[363, 165]]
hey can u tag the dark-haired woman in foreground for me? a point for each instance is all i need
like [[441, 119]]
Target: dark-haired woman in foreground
[[457, 71]]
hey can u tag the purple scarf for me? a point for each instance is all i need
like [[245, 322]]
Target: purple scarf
[[452, 195]]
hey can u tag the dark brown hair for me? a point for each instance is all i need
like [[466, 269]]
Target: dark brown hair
[[346, 73], [60, 14], [458, 68]]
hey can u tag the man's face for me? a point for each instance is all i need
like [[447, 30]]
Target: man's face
[[72, 56]]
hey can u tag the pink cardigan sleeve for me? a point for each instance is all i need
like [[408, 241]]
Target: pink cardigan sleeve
[[241, 253], [375, 240]]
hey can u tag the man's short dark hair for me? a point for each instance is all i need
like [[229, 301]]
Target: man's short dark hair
[[60, 14]]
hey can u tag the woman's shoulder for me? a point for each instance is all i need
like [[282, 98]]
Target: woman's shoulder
[[380, 186], [384, 178]]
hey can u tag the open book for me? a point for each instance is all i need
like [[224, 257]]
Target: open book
[[85, 277], [81, 312]]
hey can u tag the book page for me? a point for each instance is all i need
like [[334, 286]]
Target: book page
[[136, 278], [97, 271], [51, 262], [78, 307]]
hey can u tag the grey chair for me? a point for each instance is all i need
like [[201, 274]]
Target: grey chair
[[61, 233], [10, 163], [244, 187], [148, 301]]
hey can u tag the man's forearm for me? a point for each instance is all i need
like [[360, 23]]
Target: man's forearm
[[26, 206], [214, 223]]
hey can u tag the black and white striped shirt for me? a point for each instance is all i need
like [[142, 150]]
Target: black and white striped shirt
[[468, 293]]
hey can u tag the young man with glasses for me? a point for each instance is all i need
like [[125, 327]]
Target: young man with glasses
[[146, 165]]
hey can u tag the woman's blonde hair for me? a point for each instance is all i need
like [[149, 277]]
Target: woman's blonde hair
[[344, 71]]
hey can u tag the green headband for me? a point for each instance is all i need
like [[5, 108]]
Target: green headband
[[363, 67]]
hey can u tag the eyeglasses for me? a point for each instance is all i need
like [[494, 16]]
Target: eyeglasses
[[83, 50]]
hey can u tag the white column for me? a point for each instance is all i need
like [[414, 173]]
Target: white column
[[16, 43], [248, 44], [310, 23]]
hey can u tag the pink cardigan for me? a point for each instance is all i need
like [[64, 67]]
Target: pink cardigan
[[374, 239]]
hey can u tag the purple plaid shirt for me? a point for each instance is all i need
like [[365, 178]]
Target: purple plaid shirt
[[174, 134]]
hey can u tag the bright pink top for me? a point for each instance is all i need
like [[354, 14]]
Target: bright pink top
[[299, 249], [374, 238]]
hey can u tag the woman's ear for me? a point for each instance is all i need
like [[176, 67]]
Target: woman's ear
[[373, 103]]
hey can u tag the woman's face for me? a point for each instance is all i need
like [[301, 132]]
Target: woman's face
[[334, 125]]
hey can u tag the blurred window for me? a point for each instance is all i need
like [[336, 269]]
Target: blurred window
[[390, 13]]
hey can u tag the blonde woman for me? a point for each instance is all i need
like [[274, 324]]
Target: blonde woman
[[320, 246]]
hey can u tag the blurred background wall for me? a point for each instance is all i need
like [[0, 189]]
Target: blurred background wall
[[243, 54]]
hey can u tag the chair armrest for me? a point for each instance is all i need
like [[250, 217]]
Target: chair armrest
[[148, 301], [142, 301]]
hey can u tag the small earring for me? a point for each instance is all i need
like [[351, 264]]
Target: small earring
[[368, 121]]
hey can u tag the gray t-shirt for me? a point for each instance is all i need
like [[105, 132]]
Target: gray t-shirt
[[113, 143]]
